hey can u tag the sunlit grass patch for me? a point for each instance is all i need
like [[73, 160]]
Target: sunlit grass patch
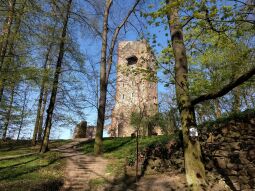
[[36, 172], [125, 147], [20, 147]]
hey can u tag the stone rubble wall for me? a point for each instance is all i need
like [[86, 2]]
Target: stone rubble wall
[[228, 150], [230, 147]]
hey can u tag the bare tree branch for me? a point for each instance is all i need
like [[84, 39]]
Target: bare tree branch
[[227, 88], [115, 36]]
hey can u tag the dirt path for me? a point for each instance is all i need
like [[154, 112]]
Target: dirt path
[[80, 168]]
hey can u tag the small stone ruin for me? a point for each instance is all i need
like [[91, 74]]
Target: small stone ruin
[[80, 130]]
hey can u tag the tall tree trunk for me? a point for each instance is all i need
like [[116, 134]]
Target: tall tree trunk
[[40, 101], [217, 108], [237, 99], [23, 112], [195, 172], [246, 99], [8, 114], [105, 69], [40, 125], [98, 147], [48, 122], [3, 46]]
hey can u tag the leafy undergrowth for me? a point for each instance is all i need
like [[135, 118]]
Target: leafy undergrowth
[[34, 172], [226, 118]]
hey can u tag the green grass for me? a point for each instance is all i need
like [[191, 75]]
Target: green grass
[[122, 148], [13, 148], [94, 183], [34, 172], [115, 168], [30, 172]]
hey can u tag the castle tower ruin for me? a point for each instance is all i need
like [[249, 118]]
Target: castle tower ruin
[[134, 92]]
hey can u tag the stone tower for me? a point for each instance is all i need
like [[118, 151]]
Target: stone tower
[[133, 91]]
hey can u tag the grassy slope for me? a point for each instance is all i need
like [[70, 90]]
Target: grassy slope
[[122, 150], [12, 148], [125, 147], [35, 172]]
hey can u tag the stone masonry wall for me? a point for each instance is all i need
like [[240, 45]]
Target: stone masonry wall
[[133, 91], [230, 147]]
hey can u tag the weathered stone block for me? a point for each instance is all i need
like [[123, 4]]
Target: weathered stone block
[[235, 145], [244, 179], [245, 187], [233, 172], [221, 153], [221, 161], [252, 183], [251, 171], [233, 166], [251, 154], [237, 185]]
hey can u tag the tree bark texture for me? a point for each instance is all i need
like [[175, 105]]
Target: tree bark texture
[[195, 172], [8, 114], [40, 125], [105, 69], [4, 44], [23, 112], [48, 122], [217, 108], [98, 147], [237, 99], [40, 101]]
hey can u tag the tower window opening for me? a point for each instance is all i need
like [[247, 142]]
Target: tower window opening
[[132, 60], [123, 96]]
